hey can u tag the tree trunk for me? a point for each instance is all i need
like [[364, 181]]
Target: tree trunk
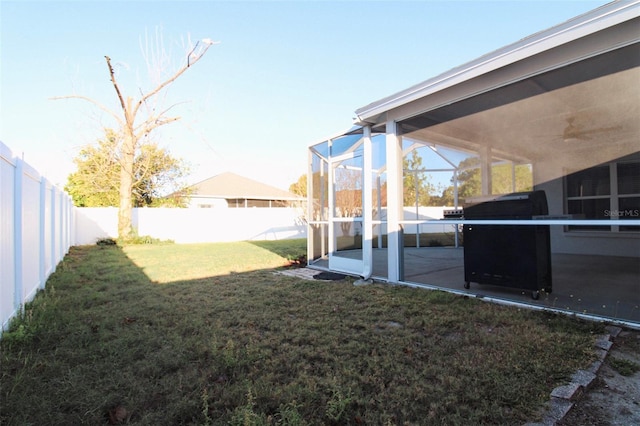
[[125, 223]]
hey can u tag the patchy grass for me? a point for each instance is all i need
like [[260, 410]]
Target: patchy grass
[[623, 366], [208, 334]]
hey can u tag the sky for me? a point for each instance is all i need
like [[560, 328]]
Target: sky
[[285, 75]]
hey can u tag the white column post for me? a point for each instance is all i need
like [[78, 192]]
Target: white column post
[[331, 211], [416, 189], [455, 204], [379, 208], [395, 242], [324, 214], [485, 170], [310, 218], [367, 205]]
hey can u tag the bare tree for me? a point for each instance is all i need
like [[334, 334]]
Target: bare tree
[[134, 125]]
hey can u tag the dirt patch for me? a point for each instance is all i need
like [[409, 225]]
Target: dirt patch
[[615, 398]]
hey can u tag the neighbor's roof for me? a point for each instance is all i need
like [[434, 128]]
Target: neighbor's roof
[[231, 186], [591, 22]]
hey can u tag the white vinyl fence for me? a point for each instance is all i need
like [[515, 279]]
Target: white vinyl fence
[[36, 225], [194, 225]]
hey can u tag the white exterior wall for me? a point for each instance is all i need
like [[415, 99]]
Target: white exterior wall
[[194, 225], [35, 225]]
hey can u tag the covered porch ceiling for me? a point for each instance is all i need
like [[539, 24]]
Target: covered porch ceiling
[[589, 110]]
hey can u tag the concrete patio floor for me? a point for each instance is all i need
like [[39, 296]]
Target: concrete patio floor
[[605, 286]]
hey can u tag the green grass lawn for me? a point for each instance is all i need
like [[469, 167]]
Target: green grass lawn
[[209, 334]]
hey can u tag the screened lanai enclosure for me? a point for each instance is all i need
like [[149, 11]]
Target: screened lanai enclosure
[[515, 177]]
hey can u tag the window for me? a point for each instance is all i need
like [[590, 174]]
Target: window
[[610, 191], [235, 202], [628, 193], [258, 203], [252, 202]]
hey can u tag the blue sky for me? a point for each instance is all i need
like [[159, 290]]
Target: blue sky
[[285, 75]]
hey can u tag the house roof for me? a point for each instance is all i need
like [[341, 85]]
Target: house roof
[[604, 17], [231, 186]]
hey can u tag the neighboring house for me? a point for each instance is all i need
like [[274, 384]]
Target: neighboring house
[[229, 190], [563, 104]]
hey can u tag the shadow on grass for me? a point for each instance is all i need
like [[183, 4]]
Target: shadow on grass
[[294, 250], [104, 344]]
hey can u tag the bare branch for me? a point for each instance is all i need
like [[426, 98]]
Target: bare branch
[[154, 54], [150, 126], [155, 121], [152, 118], [163, 121], [195, 58], [93, 101], [142, 168], [191, 53], [115, 85]]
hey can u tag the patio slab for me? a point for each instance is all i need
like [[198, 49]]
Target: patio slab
[[607, 286]]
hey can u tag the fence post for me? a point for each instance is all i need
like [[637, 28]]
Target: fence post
[[61, 227], [17, 235], [53, 229], [68, 228], [65, 225], [43, 211]]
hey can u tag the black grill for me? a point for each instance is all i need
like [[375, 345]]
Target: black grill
[[516, 256]]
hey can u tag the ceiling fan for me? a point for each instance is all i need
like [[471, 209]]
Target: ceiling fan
[[575, 132]]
